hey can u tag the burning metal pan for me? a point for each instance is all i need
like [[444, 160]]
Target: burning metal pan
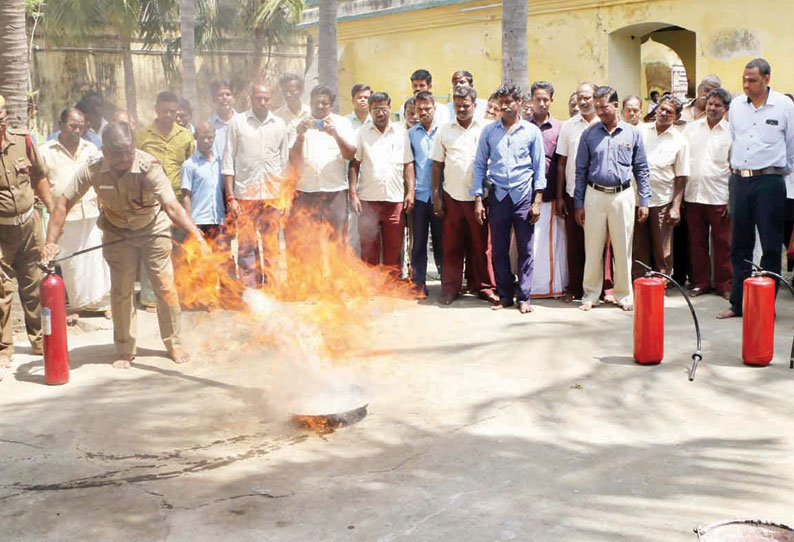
[[745, 530], [328, 423]]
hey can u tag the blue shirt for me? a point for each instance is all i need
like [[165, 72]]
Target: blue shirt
[[762, 137], [513, 161], [421, 146], [202, 178], [611, 160], [221, 129]]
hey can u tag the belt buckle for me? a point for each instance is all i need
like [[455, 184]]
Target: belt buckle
[[746, 172]]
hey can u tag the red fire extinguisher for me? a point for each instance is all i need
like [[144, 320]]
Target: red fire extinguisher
[[53, 323], [649, 320], [758, 320]]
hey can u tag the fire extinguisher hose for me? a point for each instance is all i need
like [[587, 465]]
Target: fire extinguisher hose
[[697, 356], [763, 272], [51, 266]]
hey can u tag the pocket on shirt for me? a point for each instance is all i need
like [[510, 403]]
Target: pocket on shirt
[[769, 133], [623, 155]]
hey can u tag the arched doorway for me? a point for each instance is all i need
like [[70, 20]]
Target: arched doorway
[[625, 56]]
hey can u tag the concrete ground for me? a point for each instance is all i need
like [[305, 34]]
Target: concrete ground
[[482, 426]]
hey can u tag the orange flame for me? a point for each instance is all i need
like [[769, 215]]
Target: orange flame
[[317, 267]]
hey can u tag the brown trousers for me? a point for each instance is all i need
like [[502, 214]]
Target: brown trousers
[[19, 253], [653, 241]]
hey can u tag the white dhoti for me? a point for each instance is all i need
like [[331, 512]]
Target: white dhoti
[[87, 277], [550, 269]]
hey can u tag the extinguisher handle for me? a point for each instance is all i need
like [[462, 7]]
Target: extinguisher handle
[[46, 268]]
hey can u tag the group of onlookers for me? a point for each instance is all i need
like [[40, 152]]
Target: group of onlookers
[[516, 203]]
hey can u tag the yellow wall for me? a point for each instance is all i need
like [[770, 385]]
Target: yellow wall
[[569, 41]]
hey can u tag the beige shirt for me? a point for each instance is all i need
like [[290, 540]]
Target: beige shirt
[[668, 158], [324, 169], [709, 150], [382, 156], [568, 145], [130, 202], [291, 119], [63, 166], [456, 146], [256, 155]]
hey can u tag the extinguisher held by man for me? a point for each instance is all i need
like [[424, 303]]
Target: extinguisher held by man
[[137, 202]]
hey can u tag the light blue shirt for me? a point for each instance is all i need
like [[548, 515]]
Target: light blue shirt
[[513, 161], [479, 110], [221, 129], [762, 137], [202, 178], [421, 147]]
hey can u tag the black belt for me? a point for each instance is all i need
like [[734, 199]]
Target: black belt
[[759, 172], [610, 189]]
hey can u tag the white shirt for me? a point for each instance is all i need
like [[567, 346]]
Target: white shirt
[[456, 146], [256, 154], [709, 149], [568, 145], [63, 165], [291, 119], [762, 137], [668, 158], [382, 156], [479, 110], [324, 169]]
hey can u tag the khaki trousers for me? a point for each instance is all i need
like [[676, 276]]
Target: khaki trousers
[[123, 258], [612, 214], [19, 253]]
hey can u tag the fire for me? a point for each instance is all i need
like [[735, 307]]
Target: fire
[[318, 269]]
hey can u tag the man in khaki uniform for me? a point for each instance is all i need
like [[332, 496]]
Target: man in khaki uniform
[[22, 171], [136, 201]]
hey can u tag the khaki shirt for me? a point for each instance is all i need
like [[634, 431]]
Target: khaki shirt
[[455, 147], [16, 171], [130, 202], [63, 165], [171, 150]]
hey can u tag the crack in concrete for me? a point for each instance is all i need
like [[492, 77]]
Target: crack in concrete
[[401, 463], [124, 476], [8, 441]]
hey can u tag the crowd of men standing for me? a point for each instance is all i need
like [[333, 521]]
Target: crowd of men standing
[[517, 203]]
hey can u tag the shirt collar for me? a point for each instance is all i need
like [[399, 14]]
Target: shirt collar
[[548, 122], [250, 115], [474, 122], [371, 126], [419, 126], [620, 127], [198, 157]]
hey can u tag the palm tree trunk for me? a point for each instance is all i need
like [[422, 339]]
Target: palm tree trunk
[[188, 51], [14, 59], [327, 67], [130, 95], [259, 47], [514, 43]]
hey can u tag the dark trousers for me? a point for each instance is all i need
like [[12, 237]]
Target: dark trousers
[[424, 222], [574, 238], [462, 235], [788, 228], [258, 216], [682, 266], [381, 224], [502, 216], [703, 222], [653, 242], [755, 202]]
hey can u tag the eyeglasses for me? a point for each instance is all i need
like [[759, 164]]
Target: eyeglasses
[[380, 110]]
